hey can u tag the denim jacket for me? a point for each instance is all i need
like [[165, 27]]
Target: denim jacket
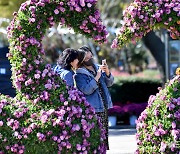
[[66, 75], [86, 83]]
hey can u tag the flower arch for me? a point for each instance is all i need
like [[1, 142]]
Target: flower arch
[[143, 16], [46, 116]]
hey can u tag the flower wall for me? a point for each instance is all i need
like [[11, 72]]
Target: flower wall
[[46, 116]]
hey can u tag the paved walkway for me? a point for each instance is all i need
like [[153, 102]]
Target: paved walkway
[[122, 141]]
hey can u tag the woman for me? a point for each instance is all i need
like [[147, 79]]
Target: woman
[[93, 80], [66, 65]]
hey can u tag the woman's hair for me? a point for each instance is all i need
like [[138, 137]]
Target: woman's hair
[[82, 53], [81, 57], [68, 56], [85, 49]]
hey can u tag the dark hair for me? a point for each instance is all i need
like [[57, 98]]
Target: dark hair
[[85, 49], [68, 56], [82, 53], [81, 57]]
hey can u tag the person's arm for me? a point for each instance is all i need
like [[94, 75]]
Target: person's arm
[[84, 85], [109, 79], [65, 75], [68, 77]]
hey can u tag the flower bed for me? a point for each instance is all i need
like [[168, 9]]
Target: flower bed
[[131, 109], [46, 116], [115, 111]]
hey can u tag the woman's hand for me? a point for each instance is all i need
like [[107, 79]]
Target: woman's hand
[[98, 75], [105, 69]]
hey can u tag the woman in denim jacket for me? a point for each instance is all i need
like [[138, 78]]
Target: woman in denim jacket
[[87, 84], [93, 80]]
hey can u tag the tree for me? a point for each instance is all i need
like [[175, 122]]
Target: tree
[[7, 7], [157, 48]]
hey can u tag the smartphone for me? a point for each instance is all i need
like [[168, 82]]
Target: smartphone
[[104, 62]]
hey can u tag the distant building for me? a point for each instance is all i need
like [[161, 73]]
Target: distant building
[[174, 56], [5, 74]]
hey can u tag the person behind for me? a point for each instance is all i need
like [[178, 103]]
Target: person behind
[[66, 65], [93, 80]]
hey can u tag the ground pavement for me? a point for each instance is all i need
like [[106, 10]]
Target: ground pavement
[[122, 140]]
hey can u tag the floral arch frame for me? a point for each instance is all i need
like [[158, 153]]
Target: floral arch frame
[[142, 16]]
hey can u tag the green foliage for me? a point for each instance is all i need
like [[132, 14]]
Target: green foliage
[[7, 7], [133, 89]]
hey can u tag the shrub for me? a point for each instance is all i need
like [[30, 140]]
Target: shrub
[[133, 89], [158, 127]]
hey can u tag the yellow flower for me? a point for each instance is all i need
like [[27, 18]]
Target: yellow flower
[[178, 71]]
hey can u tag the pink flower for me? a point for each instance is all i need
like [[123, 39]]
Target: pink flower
[[46, 95], [54, 138], [50, 111], [163, 147], [173, 125], [141, 17], [16, 133], [37, 76], [32, 20], [171, 106], [82, 3], [157, 133], [174, 132], [66, 103], [78, 9], [1, 123], [76, 127], [114, 44], [44, 118], [19, 137], [38, 26], [175, 89], [89, 5], [62, 9], [32, 8], [21, 151], [37, 61], [18, 85], [62, 21], [78, 147], [68, 146], [62, 112], [56, 11], [48, 86], [40, 136], [28, 82]]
